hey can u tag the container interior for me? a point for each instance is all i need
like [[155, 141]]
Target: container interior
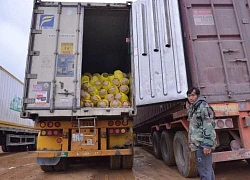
[[104, 41], [106, 46]]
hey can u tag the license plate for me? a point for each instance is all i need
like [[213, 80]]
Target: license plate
[[77, 137]]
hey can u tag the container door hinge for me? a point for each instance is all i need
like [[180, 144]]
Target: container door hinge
[[31, 76], [37, 11], [36, 31], [188, 6], [34, 53], [193, 37], [245, 21], [29, 101], [59, 9]]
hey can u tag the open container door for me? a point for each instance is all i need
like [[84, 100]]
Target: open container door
[[53, 72], [160, 71]]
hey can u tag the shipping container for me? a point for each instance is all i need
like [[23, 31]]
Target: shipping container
[[12, 127], [103, 38]]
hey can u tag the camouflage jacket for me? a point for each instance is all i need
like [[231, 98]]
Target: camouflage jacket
[[201, 125]]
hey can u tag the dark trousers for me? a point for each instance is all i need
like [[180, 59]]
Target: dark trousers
[[204, 165]]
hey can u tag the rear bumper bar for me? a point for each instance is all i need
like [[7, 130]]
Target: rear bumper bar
[[231, 155], [92, 153]]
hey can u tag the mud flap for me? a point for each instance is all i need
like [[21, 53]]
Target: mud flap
[[48, 161]]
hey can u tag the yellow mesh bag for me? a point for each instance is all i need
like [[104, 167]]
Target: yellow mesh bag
[[85, 95], [125, 81], [85, 79], [104, 77], [103, 93], [103, 103], [92, 90], [106, 85], [85, 85], [121, 97], [110, 97], [113, 90], [95, 99], [88, 103], [124, 89], [115, 104], [126, 104]]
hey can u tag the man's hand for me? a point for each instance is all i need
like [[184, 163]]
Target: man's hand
[[206, 151]]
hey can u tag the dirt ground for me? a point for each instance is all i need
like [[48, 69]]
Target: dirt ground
[[16, 166]]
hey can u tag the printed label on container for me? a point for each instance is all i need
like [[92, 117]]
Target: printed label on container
[[66, 48], [47, 21], [16, 104], [41, 97], [42, 90], [65, 65], [62, 36], [77, 137], [203, 17]]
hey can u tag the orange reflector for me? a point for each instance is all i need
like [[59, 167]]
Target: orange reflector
[[55, 132], [111, 131], [59, 140], [43, 133], [123, 131], [42, 124], [124, 123], [117, 123], [49, 133], [117, 131]]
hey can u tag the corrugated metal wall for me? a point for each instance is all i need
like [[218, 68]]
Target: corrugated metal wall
[[218, 47], [11, 92]]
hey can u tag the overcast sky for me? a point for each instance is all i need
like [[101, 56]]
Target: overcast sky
[[15, 16]]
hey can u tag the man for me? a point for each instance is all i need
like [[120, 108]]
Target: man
[[202, 136]]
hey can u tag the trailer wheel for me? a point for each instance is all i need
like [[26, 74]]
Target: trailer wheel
[[167, 149], [135, 140], [4, 148], [185, 159], [115, 162], [46, 168], [248, 161], [62, 165], [127, 161], [157, 145]]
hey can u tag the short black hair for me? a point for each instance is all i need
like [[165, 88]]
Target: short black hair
[[197, 91]]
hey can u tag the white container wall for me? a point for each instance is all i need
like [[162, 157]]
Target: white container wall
[[11, 92]]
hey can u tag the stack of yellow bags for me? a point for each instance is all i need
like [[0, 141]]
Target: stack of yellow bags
[[105, 90]]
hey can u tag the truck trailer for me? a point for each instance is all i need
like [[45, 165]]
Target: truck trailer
[[216, 47], [16, 134]]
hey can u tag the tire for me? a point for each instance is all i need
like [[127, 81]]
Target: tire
[[127, 161], [214, 165], [135, 140], [47, 168], [248, 161], [184, 158], [62, 165], [167, 148], [157, 145], [4, 148], [115, 162]]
